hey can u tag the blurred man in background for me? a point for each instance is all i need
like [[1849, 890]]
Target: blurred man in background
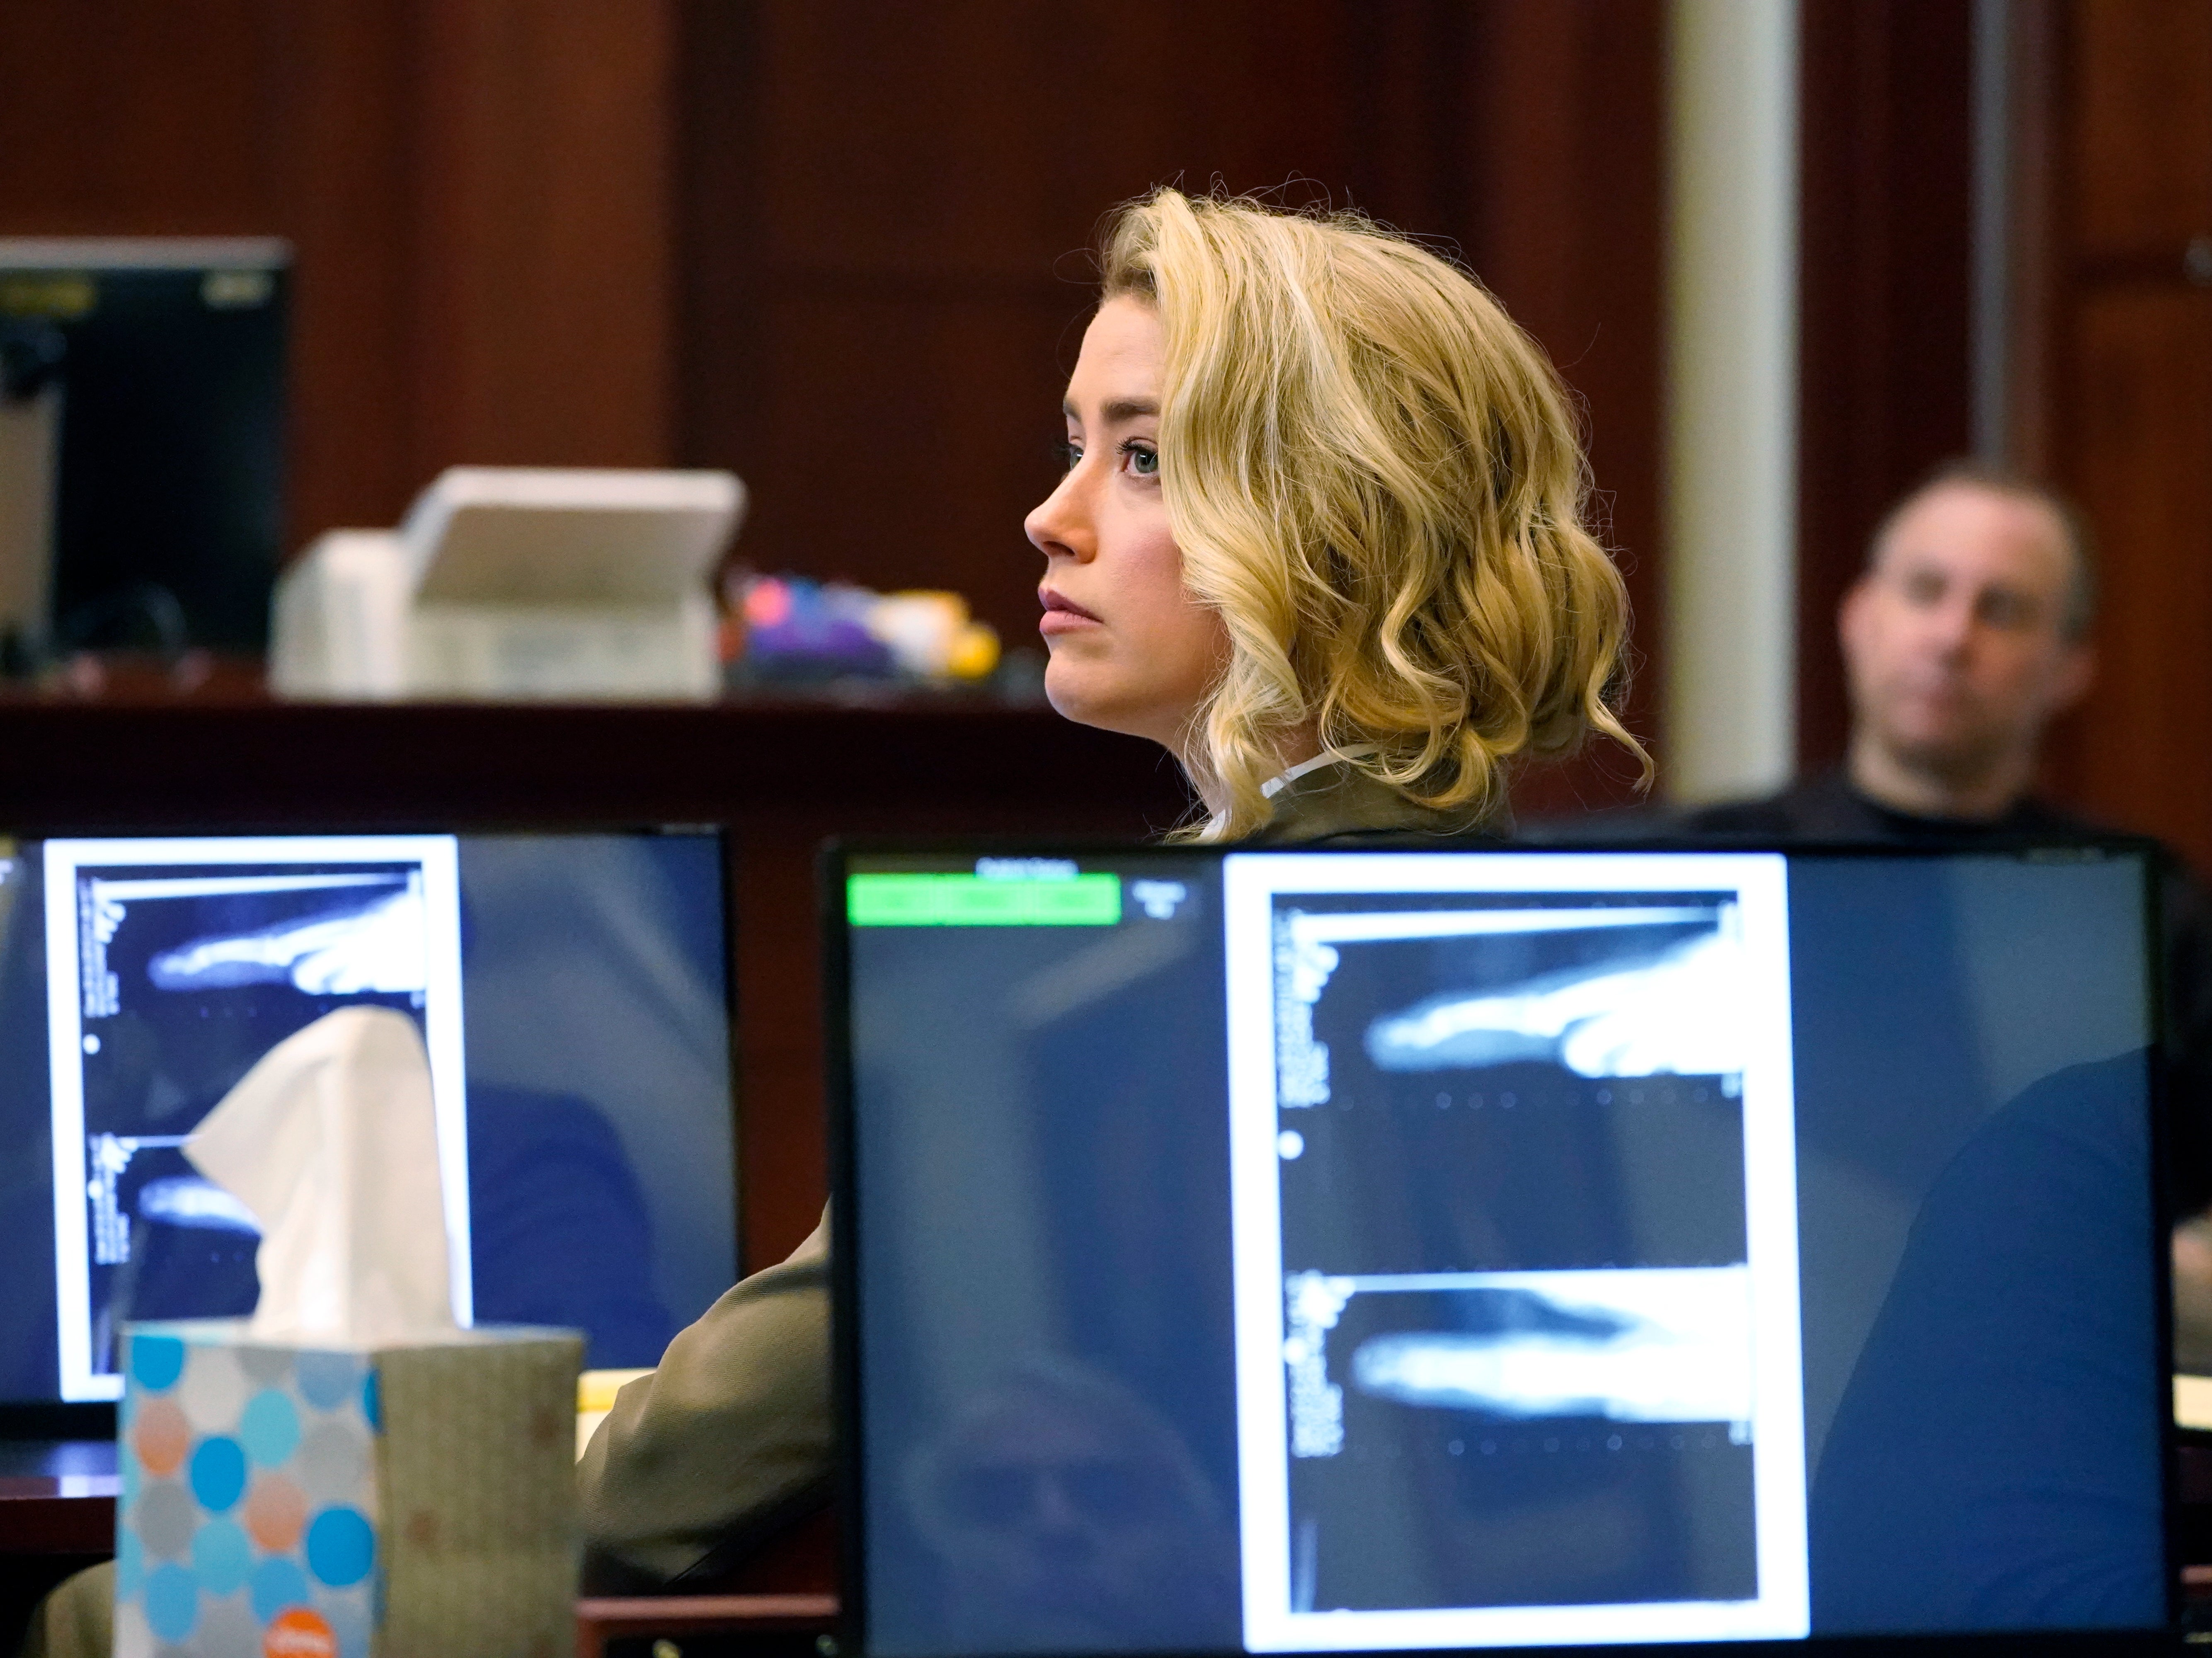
[[1966, 635]]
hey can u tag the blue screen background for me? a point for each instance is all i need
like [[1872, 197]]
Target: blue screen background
[[1040, 1147], [601, 1162]]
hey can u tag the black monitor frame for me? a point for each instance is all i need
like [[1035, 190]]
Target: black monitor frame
[[65, 1420], [847, 1357], [169, 507]]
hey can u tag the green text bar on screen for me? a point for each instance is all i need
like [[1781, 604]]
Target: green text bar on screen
[[903, 900]]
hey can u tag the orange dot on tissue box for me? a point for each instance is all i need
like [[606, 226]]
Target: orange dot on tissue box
[[161, 1437], [298, 1632], [275, 1510]]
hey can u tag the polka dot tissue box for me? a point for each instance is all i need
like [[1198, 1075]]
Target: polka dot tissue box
[[283, 1502]]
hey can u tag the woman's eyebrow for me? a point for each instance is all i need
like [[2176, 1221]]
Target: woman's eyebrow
[[1115, 412]]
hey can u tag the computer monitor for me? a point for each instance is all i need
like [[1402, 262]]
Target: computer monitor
[[166, 378], [1373, 1250], [571, 994]]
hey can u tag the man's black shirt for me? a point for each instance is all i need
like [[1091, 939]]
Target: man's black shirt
[[1826, 807]]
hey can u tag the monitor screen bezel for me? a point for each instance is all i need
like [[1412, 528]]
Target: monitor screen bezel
[[836, 861], [22, 1420]]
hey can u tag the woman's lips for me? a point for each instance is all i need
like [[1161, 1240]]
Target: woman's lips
[[1063, 615]]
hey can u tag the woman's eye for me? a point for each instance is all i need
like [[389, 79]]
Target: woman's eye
[[1144, 460], [1070, 455]]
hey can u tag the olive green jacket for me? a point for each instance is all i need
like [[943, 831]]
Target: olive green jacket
[[730, 1436]]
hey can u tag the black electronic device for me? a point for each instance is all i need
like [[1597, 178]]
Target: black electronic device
[[167, 505], [572, 992], [1366, 1250]]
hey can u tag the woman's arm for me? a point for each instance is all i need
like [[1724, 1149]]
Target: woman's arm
[[729, 1435]]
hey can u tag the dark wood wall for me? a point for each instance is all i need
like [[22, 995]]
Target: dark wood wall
[[2117, 384], [479, 193], [1886, 278]]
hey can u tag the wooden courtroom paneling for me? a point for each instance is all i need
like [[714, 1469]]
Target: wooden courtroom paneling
[[2117, 355], [542, 266], [1885, 282], [343, 192], [2143, 131], [886, 214], [1562, 186], [478, 192], [2141, 749]]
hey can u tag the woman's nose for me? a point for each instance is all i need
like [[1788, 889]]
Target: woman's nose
[[1060, 526]]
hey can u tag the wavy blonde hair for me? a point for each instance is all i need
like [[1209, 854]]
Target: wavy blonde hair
[[1376, 478]]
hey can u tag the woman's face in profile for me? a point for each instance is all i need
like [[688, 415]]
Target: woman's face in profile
[[1131, 651]]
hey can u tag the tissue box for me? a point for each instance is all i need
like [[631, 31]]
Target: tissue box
[[281, 1502]]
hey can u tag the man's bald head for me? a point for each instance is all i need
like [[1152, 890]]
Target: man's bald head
[[1965, 637]]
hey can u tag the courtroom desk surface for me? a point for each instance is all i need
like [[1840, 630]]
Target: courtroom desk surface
[[681, 1617], [903, 764], [57, 1496]]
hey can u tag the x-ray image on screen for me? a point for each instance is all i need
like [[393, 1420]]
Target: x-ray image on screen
[[1648, 1344], [1513, 1228], [172, 966]]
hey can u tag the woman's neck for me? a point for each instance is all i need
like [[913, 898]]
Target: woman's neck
[[1295, 749]]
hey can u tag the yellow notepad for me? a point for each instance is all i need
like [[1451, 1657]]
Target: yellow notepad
[[595, 1397]]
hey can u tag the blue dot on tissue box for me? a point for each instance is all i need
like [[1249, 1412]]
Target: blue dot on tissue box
[[247, 1489]]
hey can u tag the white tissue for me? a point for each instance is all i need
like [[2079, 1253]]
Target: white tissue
[[331, 1141]]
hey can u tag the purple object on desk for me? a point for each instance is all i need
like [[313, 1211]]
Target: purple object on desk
[[798, 631]]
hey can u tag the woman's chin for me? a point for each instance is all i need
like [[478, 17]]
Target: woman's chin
[[1076, 695], [1069, 697]]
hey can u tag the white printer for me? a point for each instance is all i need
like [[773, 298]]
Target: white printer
[[516, 581]]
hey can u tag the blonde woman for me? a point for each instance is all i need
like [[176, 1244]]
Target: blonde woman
[[1321, 537], [1321, 534]]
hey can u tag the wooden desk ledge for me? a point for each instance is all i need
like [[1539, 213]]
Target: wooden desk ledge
[[58, 1514], [602, 1619]]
